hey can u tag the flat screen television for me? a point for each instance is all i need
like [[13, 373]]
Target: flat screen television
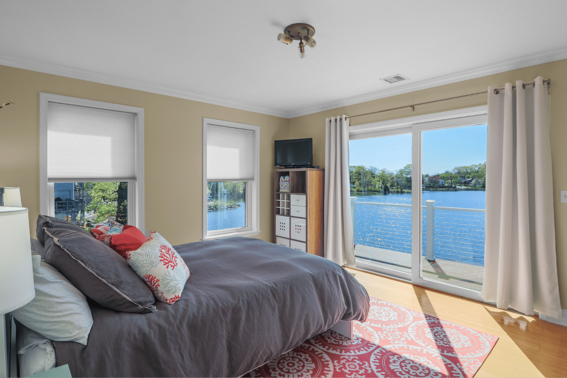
[[294, 153]]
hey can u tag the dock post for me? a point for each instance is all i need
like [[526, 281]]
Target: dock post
[[430, 222]]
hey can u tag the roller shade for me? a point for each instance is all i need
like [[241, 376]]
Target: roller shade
[[88, 143], [230, 154]]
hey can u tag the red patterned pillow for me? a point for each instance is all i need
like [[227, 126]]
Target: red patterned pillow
[[103, 232], [99, 231], [161, 267], [130, 239]]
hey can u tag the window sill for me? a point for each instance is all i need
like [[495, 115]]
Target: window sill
[[231, 234]]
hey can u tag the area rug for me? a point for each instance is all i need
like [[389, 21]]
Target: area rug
[[393, 342]]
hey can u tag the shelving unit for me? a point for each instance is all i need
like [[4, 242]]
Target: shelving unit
[[299, 212]]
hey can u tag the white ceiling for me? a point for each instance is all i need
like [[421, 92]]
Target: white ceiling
[[226, 52]]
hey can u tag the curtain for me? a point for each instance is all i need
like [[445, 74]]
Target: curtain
[[520, 257], [339, 240]]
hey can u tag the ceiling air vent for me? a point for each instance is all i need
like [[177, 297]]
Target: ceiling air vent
[[394, 78]]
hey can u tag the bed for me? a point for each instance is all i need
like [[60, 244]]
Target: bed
[[247, 301]]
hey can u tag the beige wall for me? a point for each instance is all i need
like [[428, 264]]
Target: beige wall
[[173, 141], [173, 148], [313, 126]]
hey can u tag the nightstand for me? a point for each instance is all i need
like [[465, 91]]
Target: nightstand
[[58, 372]]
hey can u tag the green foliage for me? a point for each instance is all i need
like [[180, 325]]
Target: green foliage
[[234, 191], [371, 179], [104, 199]]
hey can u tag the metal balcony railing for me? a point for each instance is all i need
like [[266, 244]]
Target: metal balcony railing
[[448, 233]]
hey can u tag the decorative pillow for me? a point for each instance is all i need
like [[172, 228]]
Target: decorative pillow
[[59, 310], [115, 228], [44, 221], [99, 230], [103, 232], [130, 239], [161, 267], [97, 271]]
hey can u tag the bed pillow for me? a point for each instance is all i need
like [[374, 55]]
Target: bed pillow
[[97, 271], [130, 239], [35, 352], [44, 221], [99, 231], [103, 232], [37, 248], [161, 267], [59, 311]]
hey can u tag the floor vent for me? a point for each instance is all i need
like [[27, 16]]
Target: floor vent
[[394, 79]]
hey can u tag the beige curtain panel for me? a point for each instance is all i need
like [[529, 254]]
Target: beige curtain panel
[[339, 240], [520, 257]]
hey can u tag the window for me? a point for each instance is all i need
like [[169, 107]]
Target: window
[[230, 179], [91, 161]]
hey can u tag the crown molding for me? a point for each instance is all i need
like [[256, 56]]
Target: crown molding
[[489, 69], [80, 74]]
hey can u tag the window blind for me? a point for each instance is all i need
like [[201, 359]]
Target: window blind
[[230, 154], [87, 143]]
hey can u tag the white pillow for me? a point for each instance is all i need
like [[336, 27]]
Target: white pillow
[[35, 352], [59, 311]]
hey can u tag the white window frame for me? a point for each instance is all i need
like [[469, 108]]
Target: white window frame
[[252, 186], [136, 213], [415, 126]]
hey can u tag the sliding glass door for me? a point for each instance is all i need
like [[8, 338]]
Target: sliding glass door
[[381, 197], [419, 215]]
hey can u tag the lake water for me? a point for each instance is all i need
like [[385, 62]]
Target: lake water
[[458, 235], [230, 218]]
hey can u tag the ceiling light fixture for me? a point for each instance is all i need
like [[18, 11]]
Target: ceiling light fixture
[[299, 32]]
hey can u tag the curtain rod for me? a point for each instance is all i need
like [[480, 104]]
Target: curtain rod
[[6, 104], [496, 91]]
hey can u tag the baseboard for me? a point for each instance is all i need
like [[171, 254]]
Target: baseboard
[[562, 321]]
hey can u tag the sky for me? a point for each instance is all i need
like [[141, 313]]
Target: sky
[[442, 150]]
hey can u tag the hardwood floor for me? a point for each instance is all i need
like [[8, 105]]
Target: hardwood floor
[[528, 346]]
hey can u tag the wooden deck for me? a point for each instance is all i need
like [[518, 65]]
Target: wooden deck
[[451, 272]]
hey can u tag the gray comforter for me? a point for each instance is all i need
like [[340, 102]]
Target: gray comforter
[[246, 302]]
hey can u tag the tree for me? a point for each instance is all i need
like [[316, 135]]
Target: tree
[[104, 196], [446, 177], [434, 180], [122, 203], [406, 174]]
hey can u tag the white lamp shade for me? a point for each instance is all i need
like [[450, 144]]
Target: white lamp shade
[[16, 274], [11, 197]]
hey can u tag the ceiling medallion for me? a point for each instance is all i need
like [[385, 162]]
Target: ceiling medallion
[[299, 32]]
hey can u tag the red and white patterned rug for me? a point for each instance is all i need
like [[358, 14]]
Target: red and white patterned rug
[[394, 342]]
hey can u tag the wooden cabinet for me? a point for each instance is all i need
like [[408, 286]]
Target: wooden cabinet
[[299, 209]]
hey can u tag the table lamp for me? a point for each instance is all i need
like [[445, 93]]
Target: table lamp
[[16, 274], [10, 196]]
